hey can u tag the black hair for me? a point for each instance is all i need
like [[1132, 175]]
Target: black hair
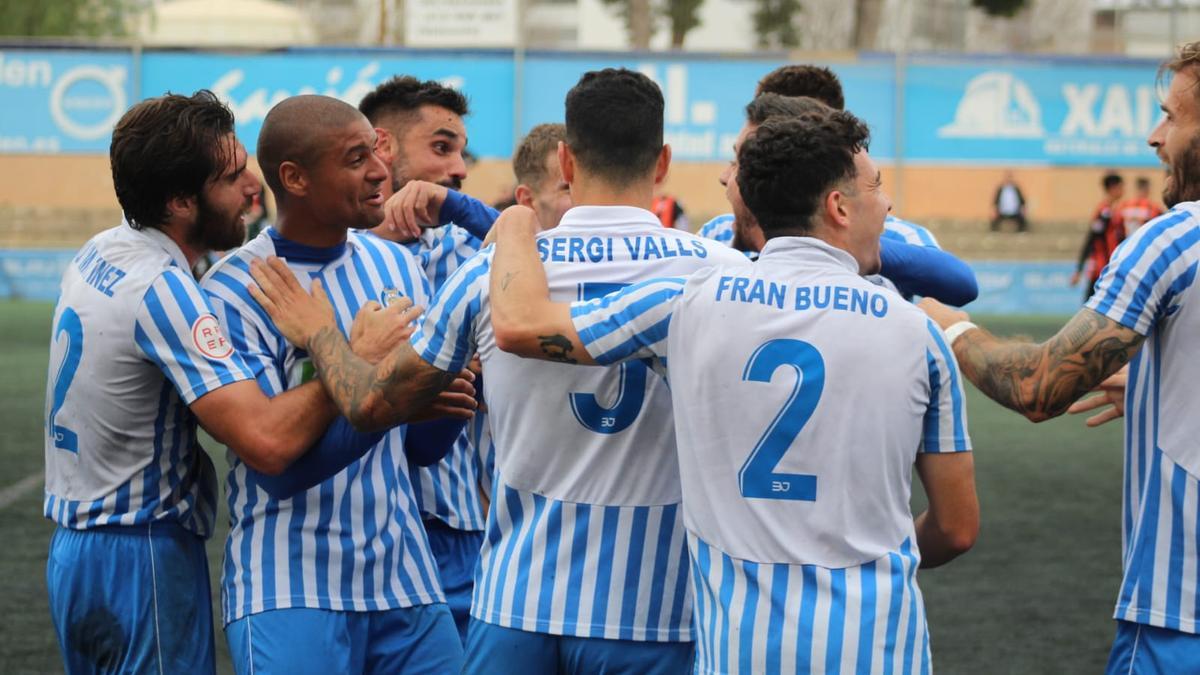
[[765, 106], [1111, 179], [615, 124], [167, 147], [404, 95], [805, 80], [292, 132], [788, 165]]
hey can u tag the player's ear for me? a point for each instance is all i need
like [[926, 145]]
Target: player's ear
[[182, 207], [293, 178], [662, 165], [566, 162], [384, 142], [837, 210], [523, 195]]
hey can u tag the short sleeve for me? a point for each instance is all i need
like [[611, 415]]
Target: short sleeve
[[446, 337], [945, 424], [629, 324], [177, 330], [1148, 273]]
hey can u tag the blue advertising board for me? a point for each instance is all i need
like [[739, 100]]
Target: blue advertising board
[[1030, 112], [705, 99], [252, 83], [1007, 287], [32, 274], [62, 101]]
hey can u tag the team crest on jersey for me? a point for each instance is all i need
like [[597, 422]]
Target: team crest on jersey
[[389, 295], [208, 338]]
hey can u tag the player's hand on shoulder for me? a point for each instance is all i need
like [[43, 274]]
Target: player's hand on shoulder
[[943, 315], [297, 314], [416, 206], [514, 222], [1110, 398], [378, 330]]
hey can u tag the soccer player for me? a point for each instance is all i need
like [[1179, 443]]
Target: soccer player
[[584, 563], [1104, 233], [1140, 209], [540, 184], [137, 359], [1145, 310], [803, 549], [913, 262], [342, 567]]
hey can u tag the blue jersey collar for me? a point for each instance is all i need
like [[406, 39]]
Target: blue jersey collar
[[290, 250]]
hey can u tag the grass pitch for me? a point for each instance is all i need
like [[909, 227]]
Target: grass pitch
[[1034, 596]]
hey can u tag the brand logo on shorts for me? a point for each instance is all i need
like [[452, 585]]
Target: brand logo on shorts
[[208, 338]]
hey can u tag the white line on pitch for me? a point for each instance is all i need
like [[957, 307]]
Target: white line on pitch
[[17, 490]]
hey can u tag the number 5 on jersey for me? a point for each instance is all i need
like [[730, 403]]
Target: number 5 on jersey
[[758, 479], [631, 392]]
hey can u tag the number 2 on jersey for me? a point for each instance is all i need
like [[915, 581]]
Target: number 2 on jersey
[[758, 479], [69, 323], [632, 390]]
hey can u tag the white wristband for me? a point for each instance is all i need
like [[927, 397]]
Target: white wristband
[[955, 330]]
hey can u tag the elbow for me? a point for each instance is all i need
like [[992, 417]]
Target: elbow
[[509, 335], [962, 537], [266, 455]]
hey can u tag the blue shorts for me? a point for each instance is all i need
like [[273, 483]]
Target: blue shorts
[[1144, 650], [497, 650], [457, 554], [131, 599], [420, 640]]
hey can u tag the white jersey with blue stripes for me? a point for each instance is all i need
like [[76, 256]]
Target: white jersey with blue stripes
[[134, 343], [449, 489], [1149, 287], [797, 435], [910, 233], [584, 536], [721, 229], [355, 541]]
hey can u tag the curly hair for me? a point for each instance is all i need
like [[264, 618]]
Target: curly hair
[[404, 95], [788, 165], [167, 147], [766, 106], [804, 80]]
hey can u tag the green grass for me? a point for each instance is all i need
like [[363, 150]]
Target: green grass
[[1034, 596]]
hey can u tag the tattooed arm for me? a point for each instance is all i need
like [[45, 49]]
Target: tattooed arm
[[1041, 381], [524, 319], [400, 388]]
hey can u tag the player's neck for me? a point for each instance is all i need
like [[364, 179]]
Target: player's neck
[[298, 226], [586, 191]]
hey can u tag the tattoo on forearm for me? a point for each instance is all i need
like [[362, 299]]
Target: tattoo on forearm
[[347, 377], [1041, 381], [557, 348], [508, 277]]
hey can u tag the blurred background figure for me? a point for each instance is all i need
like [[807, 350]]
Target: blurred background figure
[[1009, 204], [1139, 209], [1105, 231], [670, 212]]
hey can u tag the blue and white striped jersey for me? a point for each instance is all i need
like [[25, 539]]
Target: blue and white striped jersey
[[584, 536], [449, 489], [912, 233], [355, 541], [721, 229], [134, 343], [1149, 287], [795, 468]]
